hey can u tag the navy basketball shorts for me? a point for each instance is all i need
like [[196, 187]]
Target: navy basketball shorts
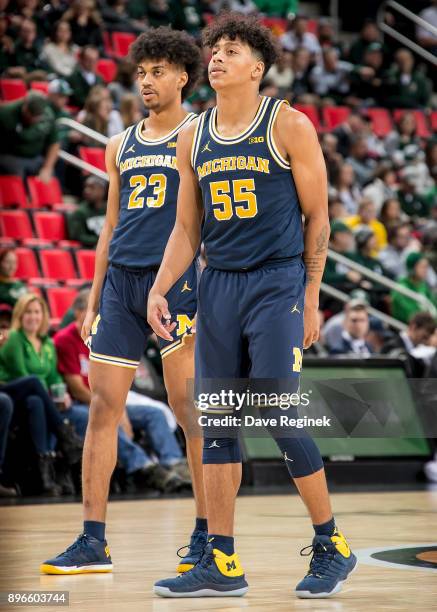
[[120, 330], [250, 325]]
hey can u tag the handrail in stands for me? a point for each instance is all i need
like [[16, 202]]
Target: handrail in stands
[[400, 37], [83, 129]]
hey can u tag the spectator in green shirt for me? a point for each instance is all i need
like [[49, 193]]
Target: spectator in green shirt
[[278, 8], [59, 91], [403, 307], [10, 288], [25, 61], [85, 76], [86, 222], [30, 139], [406, 87]]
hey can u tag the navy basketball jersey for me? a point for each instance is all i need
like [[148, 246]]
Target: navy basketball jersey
[[252, 210], [149, 182]]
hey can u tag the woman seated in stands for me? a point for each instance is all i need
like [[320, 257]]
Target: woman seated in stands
[[60, 54], [27, 372]]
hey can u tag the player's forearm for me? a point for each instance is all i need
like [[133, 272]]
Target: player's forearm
[[101, 265], [316, 236], [179, 253]]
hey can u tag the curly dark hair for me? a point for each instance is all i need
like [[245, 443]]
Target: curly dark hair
[[247, 29], [177, 47]]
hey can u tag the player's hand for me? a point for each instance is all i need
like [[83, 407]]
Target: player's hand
[[157, 312], [311, 325], [45, 174], [87, 324]]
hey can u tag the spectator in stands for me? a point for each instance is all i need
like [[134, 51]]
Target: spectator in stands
[[402, 306], [354, 333], [413, 204], [391, 214], [430, 191], [346, 188], [6, 44], [297, 35], [403, 144], [301, 86], [281, 74], [58, 93], [124, 82], [383, 186], [11, 289], [335, 274], [130, 110], [158, 13], [28, 369], [26, 60], [59, 53], [73, 360], [85, 75], [6, 410], [406, 87], [116, 17], [336, 210], [86, 222], [367, 246], [276, 8], [30, 139], [99, 115], [85, 23], [360, 160], [369, 34], [326, 35], [408, 343], [393, 256], [368, 87], [350, 129], [331, 78], [425, 37], [366, 218]]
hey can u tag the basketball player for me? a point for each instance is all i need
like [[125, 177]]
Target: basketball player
[[143, 185], [251, 166]]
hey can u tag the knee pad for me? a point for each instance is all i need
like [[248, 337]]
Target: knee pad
[[221, 450]]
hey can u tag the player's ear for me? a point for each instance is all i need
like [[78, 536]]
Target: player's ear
[[183, 80], [258, 71]]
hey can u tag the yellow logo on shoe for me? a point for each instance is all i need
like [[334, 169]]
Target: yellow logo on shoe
[[228, 565], [340, 543], [108, 554]]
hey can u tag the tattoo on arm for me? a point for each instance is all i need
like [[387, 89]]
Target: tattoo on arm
[[315, 261]]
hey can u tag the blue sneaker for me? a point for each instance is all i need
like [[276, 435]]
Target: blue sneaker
[[215, 575], [85, 555], [331, 564], [195, 550]]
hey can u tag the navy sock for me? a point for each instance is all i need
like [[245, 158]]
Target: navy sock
[[201, 524], [223, 543], [96, 529], [325, 528]]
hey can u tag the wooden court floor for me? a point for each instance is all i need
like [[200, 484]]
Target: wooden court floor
[[144, 535]]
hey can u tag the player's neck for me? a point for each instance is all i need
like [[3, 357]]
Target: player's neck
[[235, 112], [161, 123]]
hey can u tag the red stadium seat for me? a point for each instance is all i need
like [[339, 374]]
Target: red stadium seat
[[41, 86], [15, 224], [12, 89], [57, 263], [311, 112], [121, 42], [334, 115], [422, 126], [381, 121], [60, 299], [434, 121], [94, 156], [27, 263], [107, 43], [12, 192], [107, 69], [50, 225], [85, 262], [44, 194]]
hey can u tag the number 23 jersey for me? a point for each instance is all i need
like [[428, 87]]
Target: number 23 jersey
[[149, 182]]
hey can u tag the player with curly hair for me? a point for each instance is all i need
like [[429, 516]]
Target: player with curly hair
[[141, 211], [250, 168]]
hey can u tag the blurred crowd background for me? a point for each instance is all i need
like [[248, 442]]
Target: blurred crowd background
[[374, 106]]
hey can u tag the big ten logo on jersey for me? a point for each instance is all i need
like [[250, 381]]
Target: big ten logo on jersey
[[171, 144], [256, 139], [185, 324]]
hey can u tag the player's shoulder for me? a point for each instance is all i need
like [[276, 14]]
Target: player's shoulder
[[292, 118]]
